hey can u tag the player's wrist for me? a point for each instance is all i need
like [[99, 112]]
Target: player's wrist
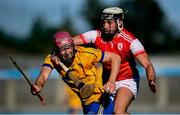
[[39, 85], [112, 80], [35, 89]]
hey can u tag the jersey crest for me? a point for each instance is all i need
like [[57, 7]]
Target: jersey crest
[[120, 46]]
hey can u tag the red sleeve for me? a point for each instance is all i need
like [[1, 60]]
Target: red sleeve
[[82, 38]]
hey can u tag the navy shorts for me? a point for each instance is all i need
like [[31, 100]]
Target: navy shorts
[[98, 108]]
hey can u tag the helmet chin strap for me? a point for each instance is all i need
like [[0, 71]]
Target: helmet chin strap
[[120, 26]]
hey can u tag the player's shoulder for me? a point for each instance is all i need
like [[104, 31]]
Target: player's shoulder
[[127, 35], [91, 32], [48, 56], [85, 49]]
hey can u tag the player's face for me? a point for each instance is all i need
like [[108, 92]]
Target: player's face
[[66, 52], [109, 26]]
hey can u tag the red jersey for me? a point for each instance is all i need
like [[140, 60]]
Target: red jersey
[[124, 44]]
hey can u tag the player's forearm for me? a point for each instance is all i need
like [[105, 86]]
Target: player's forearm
[[40, 82], [43, 76], [115, 62], [151, 76]]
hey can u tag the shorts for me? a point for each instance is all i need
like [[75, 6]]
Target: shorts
[[131, 84], [97, 108]]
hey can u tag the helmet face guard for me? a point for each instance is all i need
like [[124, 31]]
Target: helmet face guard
[[111, 14], [62, 42], [108, 33]]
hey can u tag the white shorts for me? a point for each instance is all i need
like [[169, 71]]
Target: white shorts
[[131, 84]]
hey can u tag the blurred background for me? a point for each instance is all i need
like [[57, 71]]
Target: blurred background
[[26, 30]]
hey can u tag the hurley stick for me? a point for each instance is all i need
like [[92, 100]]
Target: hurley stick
[[17, 67], [85, 90]]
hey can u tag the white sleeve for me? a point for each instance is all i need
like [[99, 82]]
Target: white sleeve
[[90, 36], [136, 47]]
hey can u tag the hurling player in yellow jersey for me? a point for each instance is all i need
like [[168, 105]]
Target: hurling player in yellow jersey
[[82, 70]]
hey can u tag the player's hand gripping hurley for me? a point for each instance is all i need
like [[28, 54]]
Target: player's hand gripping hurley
[[15, 64]]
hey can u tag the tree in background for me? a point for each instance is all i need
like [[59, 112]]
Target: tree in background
[[39, 41], [144, 18], [91, 12], [148, 22]]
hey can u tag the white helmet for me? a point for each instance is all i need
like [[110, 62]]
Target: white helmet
[[115, 13]]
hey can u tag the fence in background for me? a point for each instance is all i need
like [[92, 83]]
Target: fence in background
[[16, 97]]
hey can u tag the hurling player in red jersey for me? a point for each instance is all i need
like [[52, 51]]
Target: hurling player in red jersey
[[113, 37]]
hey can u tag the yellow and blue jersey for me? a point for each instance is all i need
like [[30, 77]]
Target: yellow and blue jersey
[[86, 68]]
